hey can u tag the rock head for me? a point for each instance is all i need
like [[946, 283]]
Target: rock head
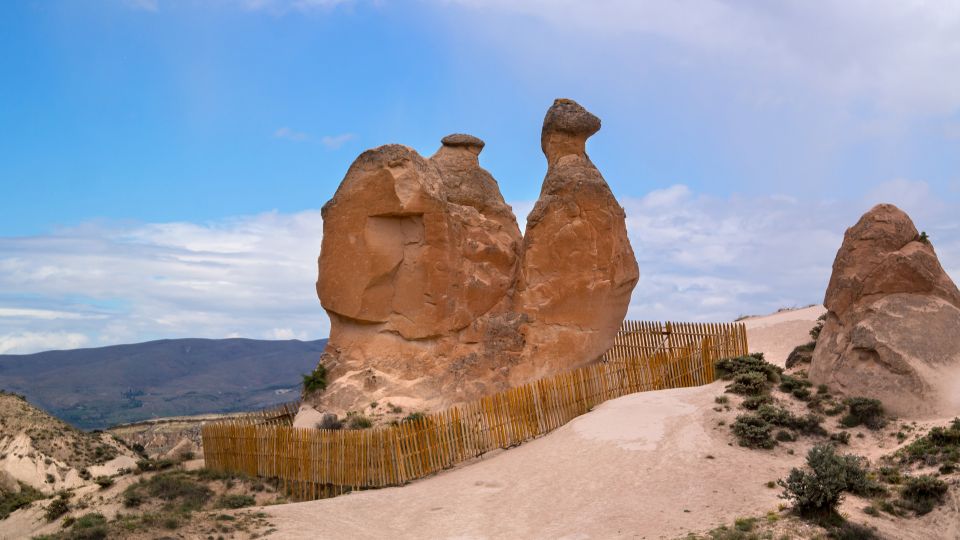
[[434, 296], [892, 320]]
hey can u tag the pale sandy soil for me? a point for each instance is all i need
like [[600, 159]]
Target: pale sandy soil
[[635, 467]]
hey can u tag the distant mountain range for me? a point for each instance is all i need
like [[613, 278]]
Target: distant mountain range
[[105, 386]]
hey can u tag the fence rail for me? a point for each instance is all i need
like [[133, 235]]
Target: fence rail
[[315, 463]]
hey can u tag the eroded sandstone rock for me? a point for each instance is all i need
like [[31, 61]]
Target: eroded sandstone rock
[[893, 319], [578, 268], [434, 297]]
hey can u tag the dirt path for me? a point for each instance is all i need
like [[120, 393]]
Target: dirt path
[[635, 467]]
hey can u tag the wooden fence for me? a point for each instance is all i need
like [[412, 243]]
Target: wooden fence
[[315, 463]]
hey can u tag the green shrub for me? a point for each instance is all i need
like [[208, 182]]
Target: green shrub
[[939, 445], [922, 493], [58, 507], [315, 381], [145, 465], [801, 354], [103, 481], [864, 411], [414, 416], [11, 502], [790, 384], [752, 431], [808, 424], [754, 402], [176, 486], [785, 436], [721, 400], [236, 501], [728, 368], [817, 491], [842, 437], [748, 384], [818, 327], [358, 421], [87, 527]]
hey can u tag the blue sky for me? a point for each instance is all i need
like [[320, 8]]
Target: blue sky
[[162, 162]]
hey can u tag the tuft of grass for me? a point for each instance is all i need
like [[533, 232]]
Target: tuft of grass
[[748, 384], [236, 501], [922, 493], [358, 421]]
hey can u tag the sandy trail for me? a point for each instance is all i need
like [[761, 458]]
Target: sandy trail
[[634, 467]]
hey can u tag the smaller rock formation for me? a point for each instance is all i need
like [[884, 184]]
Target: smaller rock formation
[[893, 319], [578, 268]]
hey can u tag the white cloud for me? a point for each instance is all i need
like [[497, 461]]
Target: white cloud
[[27, 342], [334, 142], [291, 134], [702, 258], [898, 55]]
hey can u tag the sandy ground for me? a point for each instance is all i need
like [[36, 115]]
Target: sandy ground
[[649, 465]]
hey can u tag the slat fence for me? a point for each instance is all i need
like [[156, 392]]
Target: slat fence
[[317, 463]]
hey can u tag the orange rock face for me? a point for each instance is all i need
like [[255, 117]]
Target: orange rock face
[[578, 269], [434, 296], [892, 320]]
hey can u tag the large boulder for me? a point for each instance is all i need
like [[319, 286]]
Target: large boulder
[[434, 296], [892, 321]]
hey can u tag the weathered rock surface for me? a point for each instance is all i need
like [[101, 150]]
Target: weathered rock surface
[[435, 297], [893, 319], [578, 268]]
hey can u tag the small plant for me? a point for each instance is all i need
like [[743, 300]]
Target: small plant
[[923, 238], [864, 411], [755, 402], [316, 380], [721, 400], [752, 431], [103, 481], [790, 384], [842, 437], [728, 368], [871, 511], [922, 493], [145, 465], [358, 421], [785, 436], [939, 445], [394, 408], [236, 501], [744, 524], [748, 384], [414, 417], [801, 354], [58, 507], [818, 327], [817, 491]]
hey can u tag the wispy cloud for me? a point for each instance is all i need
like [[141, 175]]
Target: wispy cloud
[[331, 142], [291, 134], [701, 258], [334, 142]]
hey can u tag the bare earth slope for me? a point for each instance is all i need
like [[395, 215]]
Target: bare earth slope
[[635, 467]]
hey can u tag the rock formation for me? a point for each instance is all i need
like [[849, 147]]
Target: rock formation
[[434, 297], [578, 269], [893, 319]]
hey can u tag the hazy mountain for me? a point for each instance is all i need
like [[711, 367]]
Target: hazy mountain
[[96, 388]]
